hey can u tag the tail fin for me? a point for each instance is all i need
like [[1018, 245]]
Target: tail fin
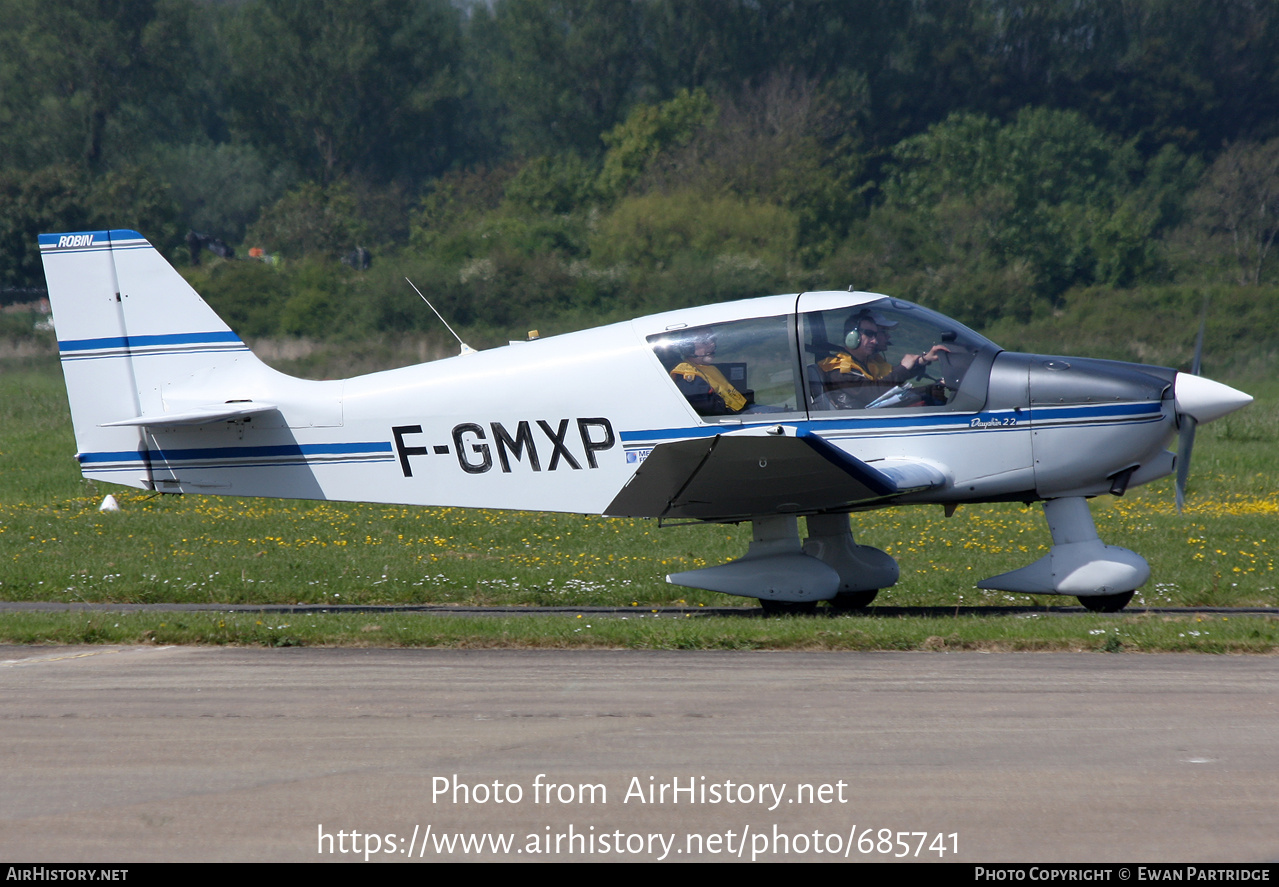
[[135, 339]]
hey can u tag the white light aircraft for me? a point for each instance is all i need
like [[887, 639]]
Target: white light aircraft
[[765, 410]]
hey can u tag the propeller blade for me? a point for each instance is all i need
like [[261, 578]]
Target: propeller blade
[[1199, 340], [1185, 445], [1186, 440]]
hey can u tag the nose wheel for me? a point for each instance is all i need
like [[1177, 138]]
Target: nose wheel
[[1078, 563], [1106, 603]]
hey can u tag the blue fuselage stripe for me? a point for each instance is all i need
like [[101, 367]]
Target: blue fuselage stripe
[[194, 453], [937, 421], [146, 341]]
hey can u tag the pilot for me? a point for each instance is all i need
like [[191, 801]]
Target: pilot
[[701, 381], [852, 374]]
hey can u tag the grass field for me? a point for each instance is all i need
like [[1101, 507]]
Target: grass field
[[56, 546]]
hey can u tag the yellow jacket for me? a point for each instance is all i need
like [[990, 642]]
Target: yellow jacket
[[733, 399], [845, 364]]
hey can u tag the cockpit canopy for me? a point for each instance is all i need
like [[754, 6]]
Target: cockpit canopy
[[838, 353]]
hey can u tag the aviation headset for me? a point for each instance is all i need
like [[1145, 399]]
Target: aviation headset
[[853, 336]]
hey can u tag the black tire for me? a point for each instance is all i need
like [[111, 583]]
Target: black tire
[[848, 601], [788, 608], [1106, 603]]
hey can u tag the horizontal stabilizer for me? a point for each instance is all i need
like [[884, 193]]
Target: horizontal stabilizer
[[736, 476], [202, 415]]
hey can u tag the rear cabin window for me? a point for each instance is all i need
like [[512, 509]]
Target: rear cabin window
[[740, 368]]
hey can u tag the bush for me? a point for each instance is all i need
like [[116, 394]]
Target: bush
[[310, 221], [651, 230], [247, 295], [320, 303]]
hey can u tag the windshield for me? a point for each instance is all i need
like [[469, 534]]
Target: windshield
[[890, 354]]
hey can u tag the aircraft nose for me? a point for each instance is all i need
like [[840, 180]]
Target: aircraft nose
[[1204, 400]]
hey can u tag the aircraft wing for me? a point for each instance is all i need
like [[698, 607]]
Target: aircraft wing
[[740, 475]]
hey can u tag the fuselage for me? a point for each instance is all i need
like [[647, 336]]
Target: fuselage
[[561, 424]]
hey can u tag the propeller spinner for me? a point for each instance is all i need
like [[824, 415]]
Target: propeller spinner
[[1199, 400]]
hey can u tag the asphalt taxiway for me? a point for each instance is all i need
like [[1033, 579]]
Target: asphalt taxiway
[[131, 754]]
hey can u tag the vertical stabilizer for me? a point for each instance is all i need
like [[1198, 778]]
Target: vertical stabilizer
[[127, 326]]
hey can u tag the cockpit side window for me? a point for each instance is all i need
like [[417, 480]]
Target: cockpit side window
[[739, 368], [892, 355]]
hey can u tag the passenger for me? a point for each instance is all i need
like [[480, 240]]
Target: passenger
[[701, 381], [858, 373]]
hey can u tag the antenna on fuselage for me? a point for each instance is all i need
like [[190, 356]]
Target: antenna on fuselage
[[466, 349]]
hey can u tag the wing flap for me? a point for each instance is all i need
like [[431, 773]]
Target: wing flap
[[739, 476]]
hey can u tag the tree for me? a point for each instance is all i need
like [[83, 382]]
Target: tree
[[221, 188], [1036, 190], [346, 87], [50, 199], [564, 70], [1238, 204], [79, 75], [647, 132], [309, 221], [785, 142], [729, 45], [64, 197]]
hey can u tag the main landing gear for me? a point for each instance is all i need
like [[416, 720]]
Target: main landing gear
[[844, 602], [788, 608], [789, 577], [851, 601], [792, 578]]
